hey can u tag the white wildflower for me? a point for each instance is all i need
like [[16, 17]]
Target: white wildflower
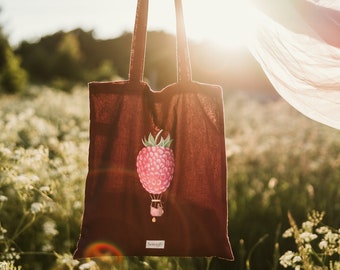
[[4, 265], [323, 244], [331, 237], [308, 237], [22, 179], [5, 151], [77, 205], [3, 198], [288, 233], [322, 230], [272, 183], [297, 259], [68, 260], [50, 206], [47, 247], [287, 259], [10, 255], [307, 226], [34, 178], [87, 265], [49, 228], [2, 230], [36, 207], [26, 114]]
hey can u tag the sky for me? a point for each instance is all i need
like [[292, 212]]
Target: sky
[[220, 21]]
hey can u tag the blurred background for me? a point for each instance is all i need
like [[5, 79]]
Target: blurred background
[[278, 159]]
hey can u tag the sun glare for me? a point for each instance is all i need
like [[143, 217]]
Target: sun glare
[[226, 23]]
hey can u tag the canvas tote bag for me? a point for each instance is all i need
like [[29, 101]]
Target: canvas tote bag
[[167, 199]]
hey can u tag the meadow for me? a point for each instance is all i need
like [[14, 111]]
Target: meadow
[[279, 162]]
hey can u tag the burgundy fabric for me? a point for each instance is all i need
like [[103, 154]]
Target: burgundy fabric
[[116, 218]]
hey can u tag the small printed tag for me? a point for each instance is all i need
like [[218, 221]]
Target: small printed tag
[[155, 244]]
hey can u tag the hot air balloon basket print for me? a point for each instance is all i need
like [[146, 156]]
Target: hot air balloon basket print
[[155, 167]]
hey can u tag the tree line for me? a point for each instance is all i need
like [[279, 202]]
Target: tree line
[[12, 77], [65, 59]]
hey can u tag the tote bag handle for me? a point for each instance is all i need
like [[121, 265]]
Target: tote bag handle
[[137, 55]]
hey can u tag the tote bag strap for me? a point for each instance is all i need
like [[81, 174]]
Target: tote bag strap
[[137, 55]]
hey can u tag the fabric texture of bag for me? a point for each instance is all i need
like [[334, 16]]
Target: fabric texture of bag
[[187, 214]]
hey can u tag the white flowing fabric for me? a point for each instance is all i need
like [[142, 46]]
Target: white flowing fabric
[[303, 68], [333, 4]]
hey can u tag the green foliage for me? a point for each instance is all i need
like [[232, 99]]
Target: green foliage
[[278, 161], [153, 141], [63, 60], [12, 77], [44, 144], [67, 67]]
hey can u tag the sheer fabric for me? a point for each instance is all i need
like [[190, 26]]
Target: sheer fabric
[[303, 62]]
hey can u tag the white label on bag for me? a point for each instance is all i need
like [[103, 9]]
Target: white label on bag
[[155, 244]]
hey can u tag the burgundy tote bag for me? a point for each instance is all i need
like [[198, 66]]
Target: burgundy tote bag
[[156, 184]]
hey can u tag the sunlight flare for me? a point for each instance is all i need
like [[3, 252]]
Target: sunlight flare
[[226, 23]]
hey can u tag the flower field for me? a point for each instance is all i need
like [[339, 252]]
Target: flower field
[[278, 162]]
